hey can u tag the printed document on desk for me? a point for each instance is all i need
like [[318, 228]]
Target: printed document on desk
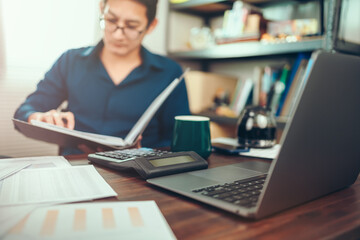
[[106, 220], [38, 162], [71, 138], [7, 169], [54, 185], [10, 215]]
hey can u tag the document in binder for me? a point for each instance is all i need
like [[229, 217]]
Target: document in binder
[[69, 138]]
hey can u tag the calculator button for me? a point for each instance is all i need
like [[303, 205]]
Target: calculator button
[[130, 154]]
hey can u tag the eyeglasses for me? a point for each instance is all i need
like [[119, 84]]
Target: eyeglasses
[[111, 26]]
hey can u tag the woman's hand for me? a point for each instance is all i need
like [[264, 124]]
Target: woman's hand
[[62, 119]]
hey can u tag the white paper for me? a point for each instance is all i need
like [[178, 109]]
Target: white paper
[[98, 138], [107, 220], [54, 185], [39, 162], [227, 141], [10, 215], [268, 153], [144, 120], [7, 169]]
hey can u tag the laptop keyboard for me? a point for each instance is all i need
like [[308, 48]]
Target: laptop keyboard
[[244, 193]]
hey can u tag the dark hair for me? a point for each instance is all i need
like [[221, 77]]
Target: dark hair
[[150, 8]]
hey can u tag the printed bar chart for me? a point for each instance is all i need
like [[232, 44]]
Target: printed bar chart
[[108, 218], [80, 220], [135, 217], [49, 224], [139, 220], [18, 228]]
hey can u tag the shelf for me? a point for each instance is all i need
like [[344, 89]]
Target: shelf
[[199, 4], [232, 121], [249, 49], [213, 7], [210, 7]]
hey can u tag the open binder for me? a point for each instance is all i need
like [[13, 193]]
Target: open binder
[[65, 137]]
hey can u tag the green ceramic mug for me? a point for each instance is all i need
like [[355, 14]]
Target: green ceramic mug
[[192, 133]]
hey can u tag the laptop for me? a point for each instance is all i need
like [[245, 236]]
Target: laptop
[[319, 154]]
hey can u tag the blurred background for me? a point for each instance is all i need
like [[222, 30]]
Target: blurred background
[[33, 34], [237, 50]]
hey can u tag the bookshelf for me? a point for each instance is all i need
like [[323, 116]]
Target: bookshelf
[[250, 49], [208, 13]]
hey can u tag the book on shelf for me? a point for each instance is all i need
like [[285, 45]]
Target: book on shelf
[[241, 95], [293, 72], [278, 88], [258, 72], [294, 85], [265, 86], [65, 137], [273, 86], [270, 75]]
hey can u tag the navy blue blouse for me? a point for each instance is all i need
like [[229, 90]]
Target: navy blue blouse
[[102, 107]]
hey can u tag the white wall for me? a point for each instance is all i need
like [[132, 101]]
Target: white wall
[[350, 21], [2, 46], [36, 32], [156, 41]]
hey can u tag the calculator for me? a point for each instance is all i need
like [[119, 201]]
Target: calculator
[[148, 162]]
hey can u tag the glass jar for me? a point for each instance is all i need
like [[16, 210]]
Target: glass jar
[[256, 127]]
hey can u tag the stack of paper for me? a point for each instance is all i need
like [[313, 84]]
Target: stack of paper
[[32, 196], [55, 185], [29, 183]]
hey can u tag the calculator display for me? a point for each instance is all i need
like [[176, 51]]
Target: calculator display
[[171, 161], [150, 163]]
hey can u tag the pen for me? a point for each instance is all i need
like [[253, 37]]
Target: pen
[[59, 112]]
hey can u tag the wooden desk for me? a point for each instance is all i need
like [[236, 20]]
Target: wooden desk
[[334, 216]]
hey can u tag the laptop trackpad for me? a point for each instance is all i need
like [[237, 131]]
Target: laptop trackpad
[[208, 177], [226, 173]]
